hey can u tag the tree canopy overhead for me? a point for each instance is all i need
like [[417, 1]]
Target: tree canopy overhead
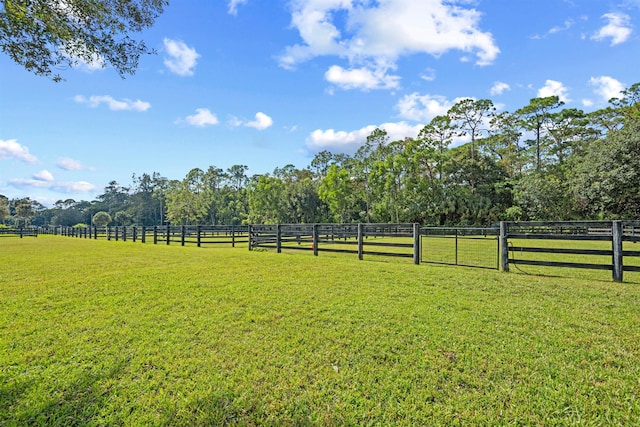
[[45, 36]]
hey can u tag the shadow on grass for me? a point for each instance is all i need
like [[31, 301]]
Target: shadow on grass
[[78, 402], [633, 280]]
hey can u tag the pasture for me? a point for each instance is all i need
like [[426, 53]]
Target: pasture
[[96, 332]]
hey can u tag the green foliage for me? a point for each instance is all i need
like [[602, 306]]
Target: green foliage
[[606, 182], [101, 219], [45, 36], [24, 211], [164, 335], [544, 196], [4, 208], [470, 116]]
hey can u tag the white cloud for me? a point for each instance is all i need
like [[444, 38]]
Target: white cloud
[[235, 122], [587, 103], [232, 7], [182, 59], [361, 78], [63, 187], [567, 25], [112, 103], [261, 122], [618, 29], [554, 88], [376, 34], [202, 118], [499, 88], [43, 175], [428, 75], [10, 149], [343, 141], [69, 164], [423, 108], [606, 87]]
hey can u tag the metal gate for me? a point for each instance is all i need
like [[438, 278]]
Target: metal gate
[[464, 246]]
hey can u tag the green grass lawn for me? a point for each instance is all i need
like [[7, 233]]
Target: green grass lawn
[[120, 333]]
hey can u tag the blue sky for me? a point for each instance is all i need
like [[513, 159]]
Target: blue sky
[[271, 83]]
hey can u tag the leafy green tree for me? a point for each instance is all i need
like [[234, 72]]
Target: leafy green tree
[[629, 104], [534, 117], [67, 212], [478, 191], [267, 201], [45, 36], [4, 208], [188, 200], [544, 196], [338, 190], [122, 218], [372, 151], [101, 219], [144, 205], [320, 163], [503, 143], [470, 117], [214, 179], [568, 132], [24, 210], [606, 120], [114, 199], [304, 200], [607, 180], [237, 175]]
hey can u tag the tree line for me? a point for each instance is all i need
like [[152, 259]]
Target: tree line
[[471, 166]]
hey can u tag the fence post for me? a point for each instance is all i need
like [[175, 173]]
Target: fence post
[[360, 241], [249, 236], [278, 238], [315, 239], [182, 233], [108, 233], [198, 229], [233, 236], [616, 242], [117, 232], [155, 234], [168, 234], [144, 234], [416, 243], [456, 245], [504, 246]]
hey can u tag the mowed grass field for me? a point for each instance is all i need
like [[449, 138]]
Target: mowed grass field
[[121, 333]]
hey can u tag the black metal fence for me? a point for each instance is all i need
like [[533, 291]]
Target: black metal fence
[[19, 232], [392, 240], [609, 244], [199, 235], [465, 246]]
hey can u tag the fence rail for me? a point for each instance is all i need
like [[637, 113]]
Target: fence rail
[[515, 235], [358, 239], [19, 232], [199, 235]]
